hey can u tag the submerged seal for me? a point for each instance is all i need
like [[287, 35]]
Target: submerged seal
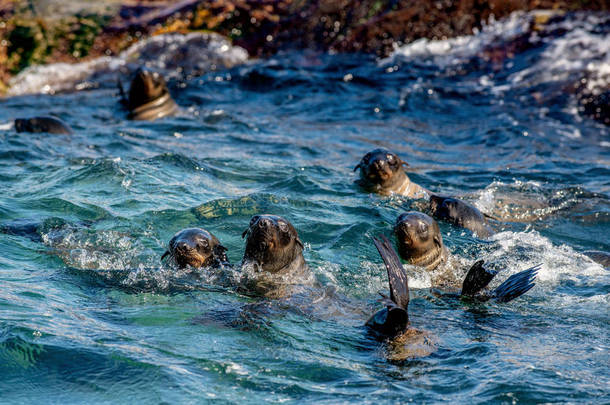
[[42, 124], [460, 213], [419, 240], [394, 318], [273, 245], [381, 171], [149, 97], [196, 247], [598, 256]]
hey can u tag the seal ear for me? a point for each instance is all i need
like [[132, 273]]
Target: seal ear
[[438, 241], [165, 254], [402, 162], [358, 166]]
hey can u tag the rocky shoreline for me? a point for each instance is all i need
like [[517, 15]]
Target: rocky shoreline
[[40, 32]]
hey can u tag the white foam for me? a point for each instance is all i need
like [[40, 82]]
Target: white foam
[[454, 50], [174, 54]]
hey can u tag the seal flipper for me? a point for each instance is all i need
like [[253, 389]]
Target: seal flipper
[[399, 286], [516, 285], [477, 278]]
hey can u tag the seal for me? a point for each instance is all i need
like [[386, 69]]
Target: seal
[[49, 125], [394, 318], [460, 213], [419, 240], [598, 256], [275, 254], [273, 245], [149, 97], [381, 171], [197, 248]]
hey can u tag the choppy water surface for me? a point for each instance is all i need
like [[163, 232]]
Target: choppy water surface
[[89, 314]]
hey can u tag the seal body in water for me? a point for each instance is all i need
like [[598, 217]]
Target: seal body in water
[[273, 259], [420, 243], [460, 213], [600, 257], [196, 247], [381, 171], [42, 124], [149, 97], [419, 240], [394, 318]]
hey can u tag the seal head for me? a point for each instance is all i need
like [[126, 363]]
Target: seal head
[[460, 213], [273, 244], [381, 171], [149, 97], [197, 248], [42, 124], [419, 240]]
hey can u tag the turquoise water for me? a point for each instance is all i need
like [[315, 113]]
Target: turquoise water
[[89, 314]]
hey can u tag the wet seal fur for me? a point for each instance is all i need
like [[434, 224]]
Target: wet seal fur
[[381, 171], [197, 248], [49, 125], [149, 97], [393, 320], [274, 249], [460, 213]]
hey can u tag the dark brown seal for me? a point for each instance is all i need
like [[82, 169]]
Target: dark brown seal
[[149, 97], [49, 125], [460, 213], [381, 171], [419, 240], [598, 256], [196, 247], [273, 244]]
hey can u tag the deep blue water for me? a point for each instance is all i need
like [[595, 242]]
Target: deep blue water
[[89, 314]]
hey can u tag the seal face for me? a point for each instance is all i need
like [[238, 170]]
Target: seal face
[[419, 240], [273, 244], [196, 247], [42, 124], [460, 213], [149, 97], [382, 171]]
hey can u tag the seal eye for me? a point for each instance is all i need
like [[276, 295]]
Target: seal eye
[[390, 158], [204, 244], [422, 229]]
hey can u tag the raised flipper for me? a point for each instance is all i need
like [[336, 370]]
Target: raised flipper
[[477, 278], [394, 318], [516, 285], [397, 276]]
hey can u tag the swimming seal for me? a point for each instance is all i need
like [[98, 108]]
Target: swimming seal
[[600, 257], [394, 318], [460, 213], [381, 171], [42, 124], [419, 240], [196, 247], [273, 244], [149, 97]]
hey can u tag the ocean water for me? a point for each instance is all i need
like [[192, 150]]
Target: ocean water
[[89, 314]]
